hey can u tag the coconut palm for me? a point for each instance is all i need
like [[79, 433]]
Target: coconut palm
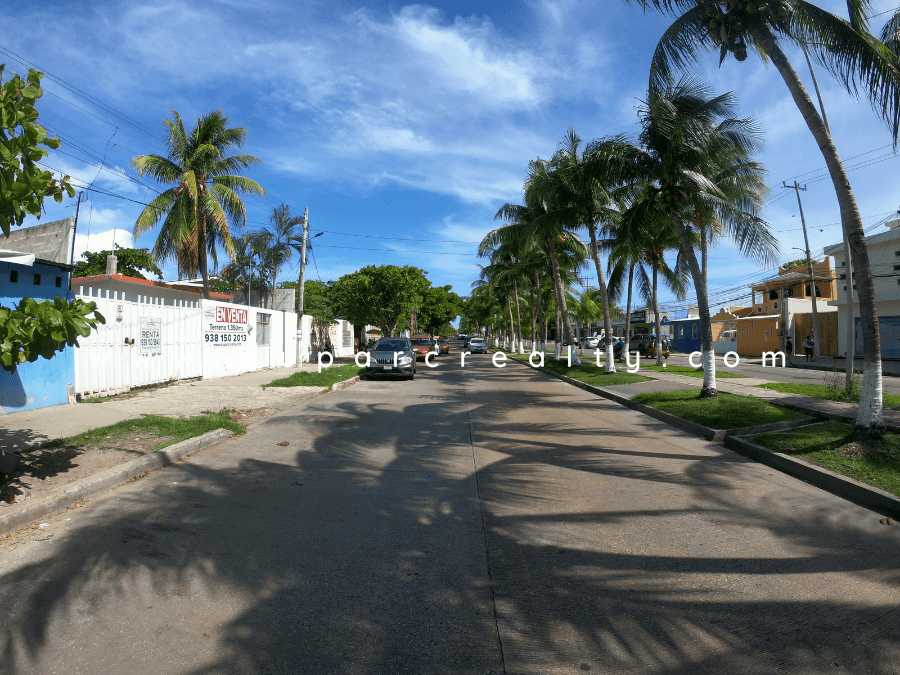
[[575, 193], [693, 156], [287, 236], [205, 196], [856, 59]]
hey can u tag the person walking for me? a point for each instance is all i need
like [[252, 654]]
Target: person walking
[[789, 349], [808, 346]]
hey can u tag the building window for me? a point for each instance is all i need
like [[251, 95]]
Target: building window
[[773, 295], [14, 276], [854, 287], [37, 279], [844, 276], [845, 288], [262, 329], [681, 328], [694, 331], [59, 282]]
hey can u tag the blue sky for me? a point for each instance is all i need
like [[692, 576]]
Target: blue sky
[[396, 122]]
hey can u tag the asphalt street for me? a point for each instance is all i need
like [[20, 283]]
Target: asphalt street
[[475, 520]]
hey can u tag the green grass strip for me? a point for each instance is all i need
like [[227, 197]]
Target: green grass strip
[[588, 372], [817, 444], [326, 378], [725, 411], [180, 429], [824, 391], [687, 370]]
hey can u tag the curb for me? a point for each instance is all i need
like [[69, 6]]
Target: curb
[[865, 495], [344, 383], [93, 485]]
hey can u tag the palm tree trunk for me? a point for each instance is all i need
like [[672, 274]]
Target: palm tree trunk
[[531, 309], [563, 310], [706, 344], [604, 297], [657, 326], [870, 414], [541, 316], [557, 348], [204, 266], [521, 349], [511, 342], [628, 309]]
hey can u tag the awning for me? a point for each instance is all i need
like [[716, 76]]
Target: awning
[[17, 257]]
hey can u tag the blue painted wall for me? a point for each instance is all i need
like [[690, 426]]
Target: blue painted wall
[[686, 343], [44, 382]]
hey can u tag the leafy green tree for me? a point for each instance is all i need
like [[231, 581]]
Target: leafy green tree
[[857, 60], [130, 262], [287, 235], [40, 329], [24, 186], [380, 296], [196, 211], [438, 307]]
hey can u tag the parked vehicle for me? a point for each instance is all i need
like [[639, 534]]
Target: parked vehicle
[[444, 344], [462, 336], [477, 345], [422, 344], [591, 342], [645, 345], [381, 358]]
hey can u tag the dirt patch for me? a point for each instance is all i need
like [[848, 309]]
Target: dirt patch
[[854, 449], [43, 471]]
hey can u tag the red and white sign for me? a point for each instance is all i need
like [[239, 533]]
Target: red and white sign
[[230, 315]]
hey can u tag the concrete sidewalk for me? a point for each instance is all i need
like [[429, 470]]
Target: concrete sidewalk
[[189, 397]]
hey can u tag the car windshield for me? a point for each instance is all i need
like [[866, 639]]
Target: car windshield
[[421, 341], [476, 340], [391, 346]]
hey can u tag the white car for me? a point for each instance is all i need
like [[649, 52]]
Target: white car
[[477, 346], [591, 342]]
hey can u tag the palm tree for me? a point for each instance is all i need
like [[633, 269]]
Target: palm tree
[[693, 157], [577, 195], [287, 235], [197, 209], [855, 58]]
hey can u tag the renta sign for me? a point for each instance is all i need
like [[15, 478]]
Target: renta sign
[[230, 315]]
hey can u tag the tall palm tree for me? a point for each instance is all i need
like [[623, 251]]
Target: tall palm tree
[[856, 59], [693, 155], [575, 193], [205, 195], [287, 235]]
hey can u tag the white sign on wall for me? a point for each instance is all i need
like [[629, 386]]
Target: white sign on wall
[[151, 336], [225, 326]]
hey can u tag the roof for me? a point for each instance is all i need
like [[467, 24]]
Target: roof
[[687, 318], [48, 241], [29, 259], [893, 233], [793, 276], [758, 316], [149, 282]]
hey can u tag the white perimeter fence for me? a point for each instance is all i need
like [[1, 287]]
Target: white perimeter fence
[[160, 339]]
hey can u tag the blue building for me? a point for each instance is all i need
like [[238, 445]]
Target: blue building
[[44, 382], [685, 334]]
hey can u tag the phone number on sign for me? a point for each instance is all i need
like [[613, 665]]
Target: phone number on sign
[[225, 337]]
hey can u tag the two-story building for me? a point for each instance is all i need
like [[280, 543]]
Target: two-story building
[[780, 306], [884, 260]]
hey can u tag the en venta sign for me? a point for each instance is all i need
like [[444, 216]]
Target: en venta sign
[[225, 326]]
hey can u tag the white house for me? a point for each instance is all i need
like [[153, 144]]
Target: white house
[[884, 260]]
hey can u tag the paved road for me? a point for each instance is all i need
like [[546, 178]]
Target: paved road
[[470, 521]]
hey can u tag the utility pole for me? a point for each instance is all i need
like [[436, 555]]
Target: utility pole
[[74, 231], [302, 264], [812, 277]]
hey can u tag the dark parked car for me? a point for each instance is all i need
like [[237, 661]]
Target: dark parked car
[[392, 356]]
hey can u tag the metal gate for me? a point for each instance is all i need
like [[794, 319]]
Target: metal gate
[[143, 342]]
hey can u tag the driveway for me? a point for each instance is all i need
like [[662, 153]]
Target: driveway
[[473, 520]]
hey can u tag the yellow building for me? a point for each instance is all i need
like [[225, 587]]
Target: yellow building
[[777, 300]]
